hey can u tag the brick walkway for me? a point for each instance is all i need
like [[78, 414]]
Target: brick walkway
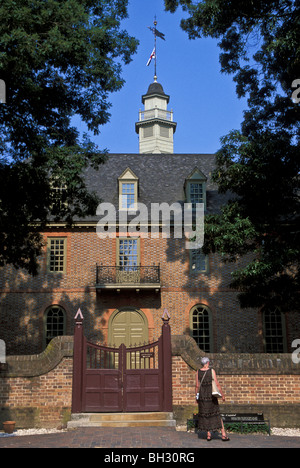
[[151, 438]]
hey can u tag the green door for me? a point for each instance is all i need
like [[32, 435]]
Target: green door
[[128, 327]]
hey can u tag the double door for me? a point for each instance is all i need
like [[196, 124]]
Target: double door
[[123, 379]]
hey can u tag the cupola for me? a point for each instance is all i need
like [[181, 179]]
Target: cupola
[[156, 127]]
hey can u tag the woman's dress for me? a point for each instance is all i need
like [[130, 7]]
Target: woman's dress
[[209, 411]]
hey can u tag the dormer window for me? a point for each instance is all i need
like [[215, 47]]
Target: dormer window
[[195, 188], [196, 192], [128, 195], [128, 190]]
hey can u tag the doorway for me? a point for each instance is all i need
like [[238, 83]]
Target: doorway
[[128, 326]]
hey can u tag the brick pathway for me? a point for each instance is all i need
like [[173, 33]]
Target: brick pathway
[[151, 438]]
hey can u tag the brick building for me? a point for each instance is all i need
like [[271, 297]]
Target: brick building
[[123, 284]]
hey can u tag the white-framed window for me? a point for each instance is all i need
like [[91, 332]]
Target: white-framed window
[[128, 190], [56, 254], [195, 188], [201, 327], [54, 323], [128, 195], [196, 192], [128, 254]]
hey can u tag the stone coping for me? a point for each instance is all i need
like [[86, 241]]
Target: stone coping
[[234, 363], [39, 364], [182, 345]]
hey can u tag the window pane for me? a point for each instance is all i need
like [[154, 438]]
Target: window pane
[[127, 195], [54, 323], [274, 334], [196, 193], [56, 254], [128, 254], [201, 327], [198, 261]]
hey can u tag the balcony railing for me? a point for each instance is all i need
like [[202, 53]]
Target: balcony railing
[[156, 114], [126, 277]]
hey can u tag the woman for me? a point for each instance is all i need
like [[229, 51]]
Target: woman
[[209, 412]]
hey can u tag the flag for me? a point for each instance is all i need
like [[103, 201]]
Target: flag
[[151, 57]]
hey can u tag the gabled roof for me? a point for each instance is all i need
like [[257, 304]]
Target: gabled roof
[[161, 178]]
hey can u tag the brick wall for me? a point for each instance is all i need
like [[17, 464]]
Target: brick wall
[[242, 389], [251, 383], [37, 390], [24, 299]]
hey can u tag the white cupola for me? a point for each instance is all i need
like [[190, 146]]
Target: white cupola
[[155, 126]]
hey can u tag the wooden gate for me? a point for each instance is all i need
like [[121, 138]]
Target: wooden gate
[[107, 379]]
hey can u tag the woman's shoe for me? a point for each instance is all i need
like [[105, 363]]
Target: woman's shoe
[[225, 439]]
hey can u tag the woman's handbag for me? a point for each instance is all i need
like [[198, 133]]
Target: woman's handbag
[[215, 391]]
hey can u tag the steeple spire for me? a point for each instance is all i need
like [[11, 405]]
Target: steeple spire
[[154, 53], [155, 126]]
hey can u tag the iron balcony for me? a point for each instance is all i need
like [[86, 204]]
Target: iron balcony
[[128, 277]]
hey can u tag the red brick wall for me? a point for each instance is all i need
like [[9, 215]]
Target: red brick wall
[[24, 300], [45, 400], [242, 389], [41, 401]]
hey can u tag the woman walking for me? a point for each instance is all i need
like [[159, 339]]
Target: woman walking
[[209, 412]]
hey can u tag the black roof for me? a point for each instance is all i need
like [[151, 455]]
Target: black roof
[[161, 178], [156, 89]]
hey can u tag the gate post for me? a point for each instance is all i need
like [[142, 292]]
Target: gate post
[[167, 363], [78, 363]]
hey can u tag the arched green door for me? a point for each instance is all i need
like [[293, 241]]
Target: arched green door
[[129, 327]]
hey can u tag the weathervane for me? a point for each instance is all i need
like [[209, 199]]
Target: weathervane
[[154, 54]]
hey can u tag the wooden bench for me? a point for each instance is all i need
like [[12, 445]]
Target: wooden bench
[[236, 418], [256, 419]]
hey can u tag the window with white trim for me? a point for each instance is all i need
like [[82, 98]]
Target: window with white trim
[[128, 190], [128, 195], [201, 327], [56, 254], [195, 188], [54, 323]]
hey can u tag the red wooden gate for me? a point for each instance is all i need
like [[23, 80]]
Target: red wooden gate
[[107, 379]]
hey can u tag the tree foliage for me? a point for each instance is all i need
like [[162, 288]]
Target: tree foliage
[[258, 164], [58, 59]]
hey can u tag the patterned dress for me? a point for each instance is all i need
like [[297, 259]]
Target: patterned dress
[[209, 411]]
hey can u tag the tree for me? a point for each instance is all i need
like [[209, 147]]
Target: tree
[[58, 59], [259, 164]]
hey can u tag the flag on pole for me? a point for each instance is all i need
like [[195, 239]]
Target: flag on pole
[[151, 57]]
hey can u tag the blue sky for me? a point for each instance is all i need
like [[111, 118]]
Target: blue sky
[[204, 101]]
